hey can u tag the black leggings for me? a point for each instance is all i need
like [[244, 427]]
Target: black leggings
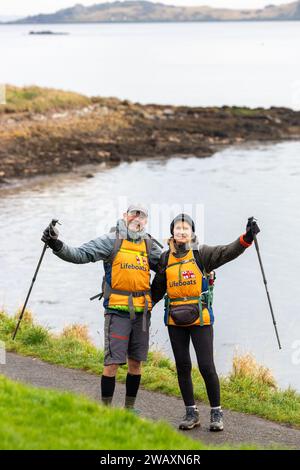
[[202, 339]]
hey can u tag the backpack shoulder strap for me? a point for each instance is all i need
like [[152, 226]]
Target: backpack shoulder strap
[[148, 243], [154, 240], [164, 261], [199, 262], [117, 245]]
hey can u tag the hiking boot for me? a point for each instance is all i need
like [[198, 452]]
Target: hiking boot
[[190, 420], [216, 420], [134, 411]]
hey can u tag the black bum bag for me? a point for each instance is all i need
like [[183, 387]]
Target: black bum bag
[[184, 314]]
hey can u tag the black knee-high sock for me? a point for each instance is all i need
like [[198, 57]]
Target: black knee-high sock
[[107, 389], [132, 386]]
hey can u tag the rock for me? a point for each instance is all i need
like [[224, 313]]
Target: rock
[[174, 139], [103, 110], [168, 112], [274, 119], [148, 116], [103, 154], [47, 32], [3, 181], [59, 115], [38, 117]]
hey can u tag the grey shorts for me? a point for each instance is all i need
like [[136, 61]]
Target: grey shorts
[[125, 338]]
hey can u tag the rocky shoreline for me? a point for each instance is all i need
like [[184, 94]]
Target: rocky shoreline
[[112, 130]]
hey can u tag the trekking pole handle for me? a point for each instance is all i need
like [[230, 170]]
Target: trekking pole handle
[[52, 224], [251, 220]]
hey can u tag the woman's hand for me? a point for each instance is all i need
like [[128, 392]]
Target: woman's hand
[[251, 229]]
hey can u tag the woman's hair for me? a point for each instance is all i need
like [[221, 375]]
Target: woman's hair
[[171, 243]]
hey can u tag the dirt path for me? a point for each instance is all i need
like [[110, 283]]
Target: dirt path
[[239, 428]]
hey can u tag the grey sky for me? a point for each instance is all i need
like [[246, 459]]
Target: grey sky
[[32, 7]]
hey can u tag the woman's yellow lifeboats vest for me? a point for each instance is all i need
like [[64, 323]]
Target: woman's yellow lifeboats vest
[[186, 284], [127, 279]]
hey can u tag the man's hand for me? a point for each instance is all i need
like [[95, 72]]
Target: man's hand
[[50, 236], [50, 233]]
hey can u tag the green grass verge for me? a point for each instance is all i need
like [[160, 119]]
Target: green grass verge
[[39, 100], [245, 389]]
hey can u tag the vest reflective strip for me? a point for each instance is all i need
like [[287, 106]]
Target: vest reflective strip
[[127, 250], [179, 262]]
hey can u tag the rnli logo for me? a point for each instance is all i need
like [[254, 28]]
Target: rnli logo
[[188, 275], [141, 261]]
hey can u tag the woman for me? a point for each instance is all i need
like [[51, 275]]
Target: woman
[[185, 275]]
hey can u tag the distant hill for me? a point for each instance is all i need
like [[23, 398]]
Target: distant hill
[[7, 18], [145, 11]]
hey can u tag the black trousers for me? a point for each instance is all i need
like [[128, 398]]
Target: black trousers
[[202, 339]]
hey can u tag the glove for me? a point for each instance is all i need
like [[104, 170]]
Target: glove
[[50, 236], [251, 229]]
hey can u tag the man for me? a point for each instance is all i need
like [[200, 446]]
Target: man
[[129, 254]]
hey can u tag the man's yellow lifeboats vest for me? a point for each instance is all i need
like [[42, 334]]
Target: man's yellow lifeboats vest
[[127, 279], [186, 284]]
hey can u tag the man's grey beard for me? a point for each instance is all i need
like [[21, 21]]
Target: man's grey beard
[[131, 234], [136, 235]]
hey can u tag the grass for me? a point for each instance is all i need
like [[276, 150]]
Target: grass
[[246, 366], [39, 100], [32, 418], [243, 111], [67, 137], [250, 388]]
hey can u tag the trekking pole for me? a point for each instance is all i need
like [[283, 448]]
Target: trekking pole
[[53, 223], [252, 219]]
